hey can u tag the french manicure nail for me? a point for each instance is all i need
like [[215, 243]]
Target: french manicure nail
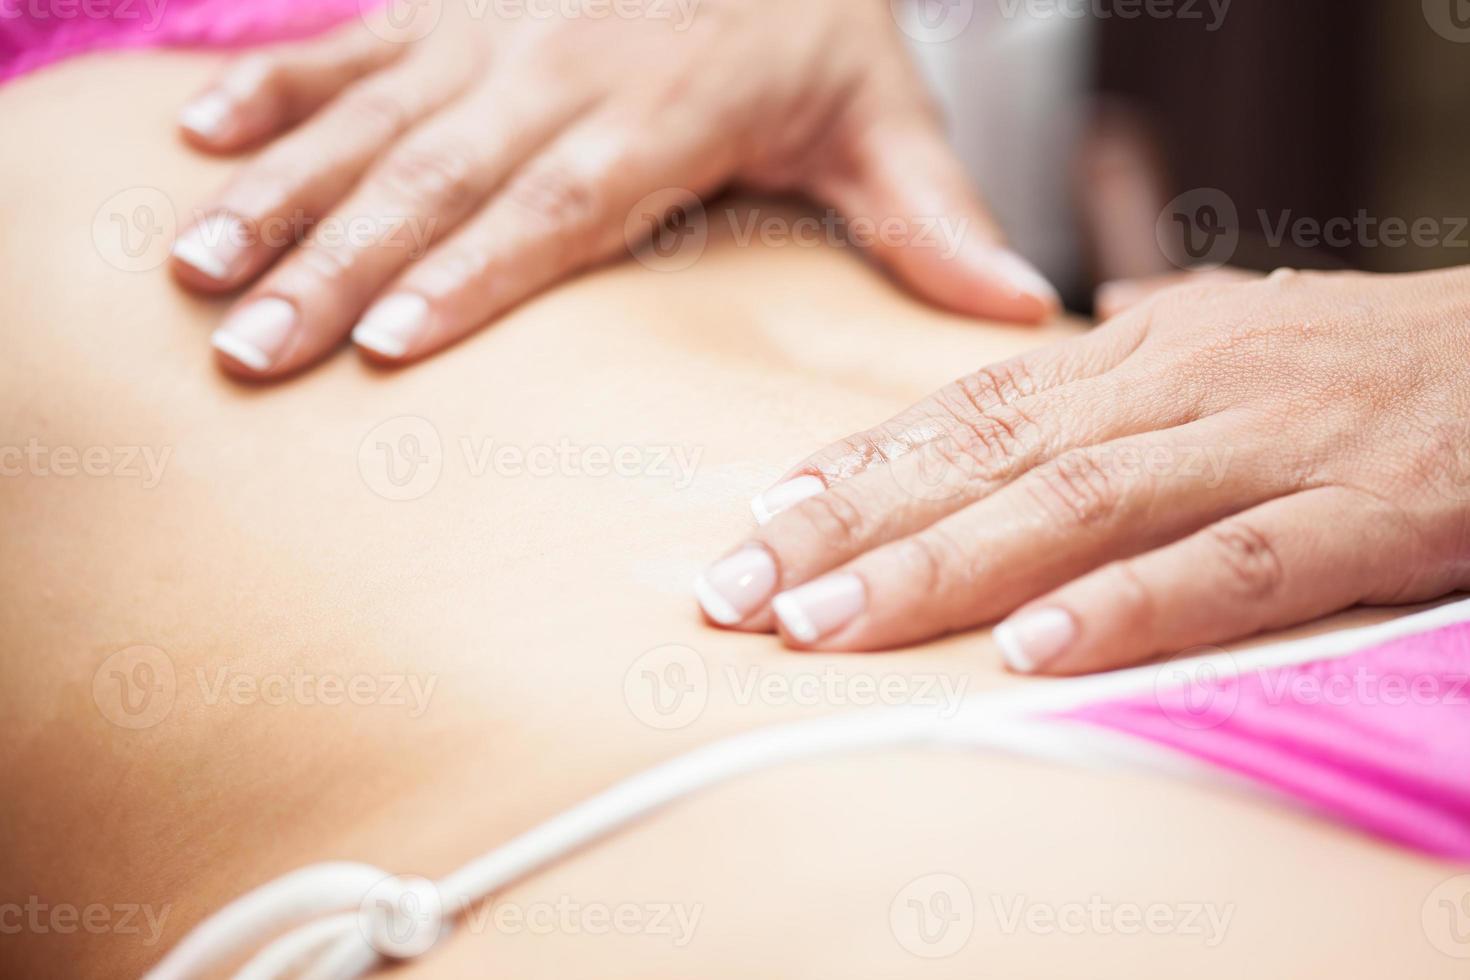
[[256, 334], [214, 246], [734, 587], [817, 609], [1032, 640], [784, 496], [392, 326], [1007, 267], [207, 115]]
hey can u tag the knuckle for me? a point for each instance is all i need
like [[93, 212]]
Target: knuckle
[[1251, 562], [834, 518], [1076, 489], [1133, 596], [933, 562], [375, 108], [986, 446], [441, 176], [556, 195], [997, 384], [886, 443], [314, 270]]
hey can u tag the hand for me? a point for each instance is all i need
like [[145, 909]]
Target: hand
[[1217, 460], [430, 186]]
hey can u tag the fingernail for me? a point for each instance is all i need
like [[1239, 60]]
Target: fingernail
[[1032, 640], [817, 609], [214, 246], [256, 334], [1012, 270], [207, 115], [784, 496], [734, 587], [392, 326]]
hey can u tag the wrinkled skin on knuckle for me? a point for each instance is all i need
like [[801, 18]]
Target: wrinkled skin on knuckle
[[1133, 598], [836, 518], [998, 384], [557, 198], [432, 178], [317, 269], [1076, 490], [979, 450], [1252, 568], [878, 446], [937, 568], [374, 107]]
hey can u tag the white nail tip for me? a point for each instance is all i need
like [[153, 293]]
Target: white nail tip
[[391, 327], [794, 618], [191, 250], [784, 496], [242, 351], [1012, 650], [716, 606], [378, 341], [206, 114], [1023, 276]]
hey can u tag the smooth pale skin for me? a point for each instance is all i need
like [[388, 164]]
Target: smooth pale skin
[[529, 599]]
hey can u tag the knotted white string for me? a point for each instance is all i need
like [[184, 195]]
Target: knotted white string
[[350, 918]]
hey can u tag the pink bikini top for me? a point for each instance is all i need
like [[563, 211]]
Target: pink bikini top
[[36, 33]]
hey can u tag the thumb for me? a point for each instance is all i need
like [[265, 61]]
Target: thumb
[[907, 195]]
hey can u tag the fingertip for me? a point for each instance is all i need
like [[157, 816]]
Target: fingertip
[[238, 356], [1033, 641], [210, 256], [253, 339], [783, 496], [1012, 288], [820, 611], [393, 327]]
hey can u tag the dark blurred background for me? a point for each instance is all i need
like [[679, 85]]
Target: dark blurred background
[[1301, 109]]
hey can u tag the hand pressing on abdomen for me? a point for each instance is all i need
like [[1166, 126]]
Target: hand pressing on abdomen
[[413, 190], [1216, 460]]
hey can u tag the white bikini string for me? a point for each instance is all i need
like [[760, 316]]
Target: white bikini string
[[357, 916]]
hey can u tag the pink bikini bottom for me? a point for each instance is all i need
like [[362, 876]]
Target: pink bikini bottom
[[36, 33], [1379, 739], [1370, 728]]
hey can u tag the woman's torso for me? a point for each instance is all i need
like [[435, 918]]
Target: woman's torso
[[247, 629]]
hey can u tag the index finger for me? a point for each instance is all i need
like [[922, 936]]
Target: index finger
[[992, 387]]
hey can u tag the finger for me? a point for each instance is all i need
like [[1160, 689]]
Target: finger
[[981, 454], [560, 213], [910, 199], [263, 93], [266, 208], [985, 390], [1061, 519], [1120, 295], [1285, 562], [421, 190]]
